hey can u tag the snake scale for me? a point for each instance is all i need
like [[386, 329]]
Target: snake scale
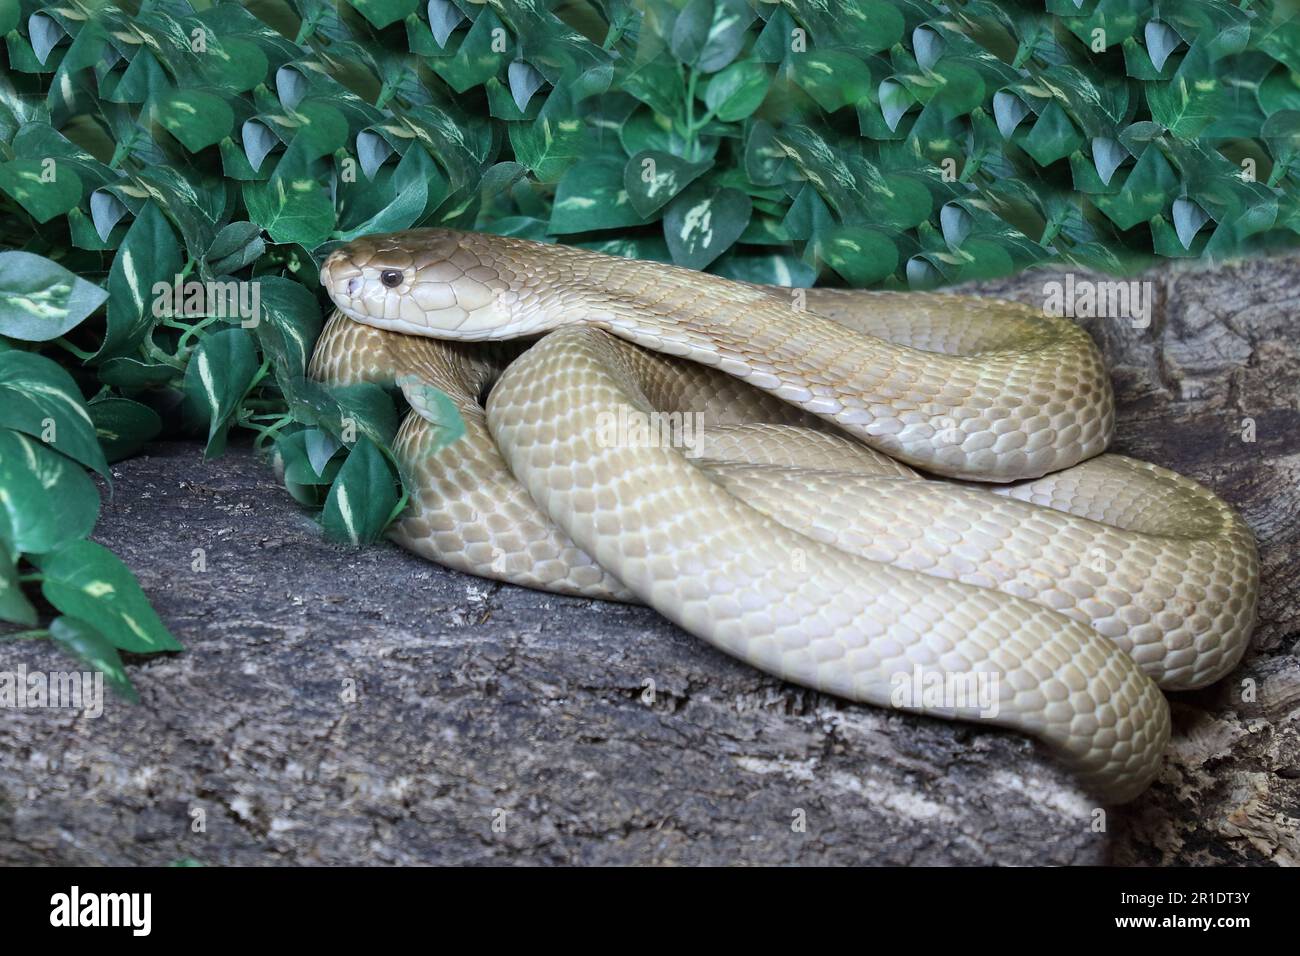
[[880, 485]]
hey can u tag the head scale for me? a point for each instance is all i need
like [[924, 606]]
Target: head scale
[[434, 282]]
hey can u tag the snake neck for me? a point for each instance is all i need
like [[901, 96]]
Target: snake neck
[[1037, 402]]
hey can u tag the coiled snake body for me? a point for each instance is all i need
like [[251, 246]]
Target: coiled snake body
[[797, 533]]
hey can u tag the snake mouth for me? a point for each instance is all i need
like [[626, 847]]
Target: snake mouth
[[342, 281]]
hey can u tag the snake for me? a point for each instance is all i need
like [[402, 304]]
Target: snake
[[901, 499]]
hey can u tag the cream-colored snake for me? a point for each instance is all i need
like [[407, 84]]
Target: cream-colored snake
[[792, 533]]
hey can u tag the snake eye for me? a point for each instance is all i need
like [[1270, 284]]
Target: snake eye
[[391, 278]]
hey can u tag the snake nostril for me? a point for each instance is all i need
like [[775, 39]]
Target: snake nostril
[[353, 285]]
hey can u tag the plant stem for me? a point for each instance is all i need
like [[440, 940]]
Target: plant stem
[[692, 141], [153, 352], [268, 433], [63, 343], [33, 635], [259, 375], [182, 344]]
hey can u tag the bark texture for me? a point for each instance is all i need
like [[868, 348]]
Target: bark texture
[[343, 706]]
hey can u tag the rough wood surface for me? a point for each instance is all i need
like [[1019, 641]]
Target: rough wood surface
[[341, 706]]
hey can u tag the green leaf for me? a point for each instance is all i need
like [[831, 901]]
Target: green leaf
[[196, 118], [135, 373], [833, 78], [1279, 91], [293, 462], [84, 642], [478, 58], [500, 178], [437, 408], [1148, 189], [220, 372], [45, 499], [45, 188], [84, 235], [1282, 133], [524, 227], [9, 15], [845, 180], [235, 246], [1052, 137], [147, 260], [1116, 19], [383, 12], [808, 215], [38, 397], [236, 64], [703, 222], [1193, 99], [738, 90], [652, 178], [983, 258], [765, 230], [321, 447], [41, 141], [646, 130], [291, 210], [549, 146], [14, 606], [1165, 240], [961, 88], [86, 580], [592, 196], [709, 33], [862, 255], [363, 497], [866, 25], [191, 197], [409, 188], [40, 300], [299, 465], [320, 127], [370, 408], [658, 84], [364, 408], [651, 248], [770, 269], [765, 160], [291, 324], [123, 426], [144, 78]]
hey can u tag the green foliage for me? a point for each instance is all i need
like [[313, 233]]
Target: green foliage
[[892, 143]]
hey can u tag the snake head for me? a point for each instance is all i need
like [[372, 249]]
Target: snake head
[[433, 282]]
